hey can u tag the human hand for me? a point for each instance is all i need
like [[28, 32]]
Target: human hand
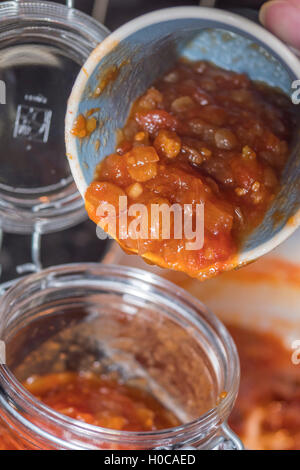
[[282, 17]]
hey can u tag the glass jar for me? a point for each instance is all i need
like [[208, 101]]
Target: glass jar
[[91, 317], [43, 45]]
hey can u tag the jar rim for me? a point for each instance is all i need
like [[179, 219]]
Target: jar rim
[[214, 416], [35, 10]]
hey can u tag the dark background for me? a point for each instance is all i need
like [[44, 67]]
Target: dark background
[[120, 11]]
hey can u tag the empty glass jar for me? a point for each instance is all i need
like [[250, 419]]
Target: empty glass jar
[[43, 45]]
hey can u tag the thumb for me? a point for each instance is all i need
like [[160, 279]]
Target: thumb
[[282, 17]]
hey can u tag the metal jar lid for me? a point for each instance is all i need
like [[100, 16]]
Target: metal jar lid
[[42, 47]]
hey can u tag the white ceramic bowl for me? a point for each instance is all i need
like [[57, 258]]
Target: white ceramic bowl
[[144, 49]]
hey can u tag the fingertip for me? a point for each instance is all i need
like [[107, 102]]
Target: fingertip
[[265, 10], [282, 18]]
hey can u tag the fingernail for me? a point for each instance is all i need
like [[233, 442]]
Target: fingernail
[[266, 9], [282, 17]]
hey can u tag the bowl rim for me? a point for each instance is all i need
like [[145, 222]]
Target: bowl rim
[[227, 18]]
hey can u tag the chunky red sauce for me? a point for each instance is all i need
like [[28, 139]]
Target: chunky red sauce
[[199, 135], [101, 401], [97, 400], [267, 411]]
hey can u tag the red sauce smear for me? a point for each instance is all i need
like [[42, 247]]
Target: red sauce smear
[[267, 411]]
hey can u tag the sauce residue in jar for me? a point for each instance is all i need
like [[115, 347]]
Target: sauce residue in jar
[[200, 135], [266, 415], [101, 401], [97, 399]]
